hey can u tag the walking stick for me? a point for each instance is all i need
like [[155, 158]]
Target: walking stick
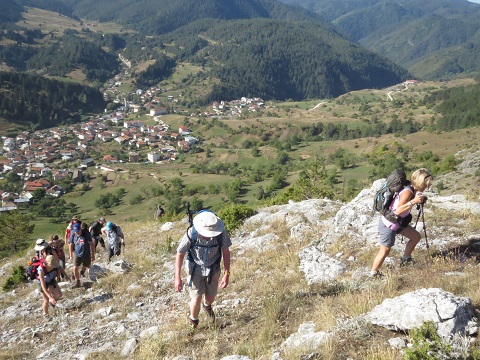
[[424, 230], [420, 212]]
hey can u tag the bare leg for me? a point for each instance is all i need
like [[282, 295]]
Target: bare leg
[[383, 252], [209, 299], [45, 304], [195, 307], [414, 237], [76, 273], [56, 292]]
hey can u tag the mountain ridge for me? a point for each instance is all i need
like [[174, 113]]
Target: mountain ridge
[[408, 32]]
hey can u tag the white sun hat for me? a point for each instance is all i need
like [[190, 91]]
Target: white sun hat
[[208, 224], [41, 244]]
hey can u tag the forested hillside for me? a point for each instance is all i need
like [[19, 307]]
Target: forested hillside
[[73, 52], [34, 102], [163, 16], [267, 58], [434, 39], [10, 11], [278, 60], [459, 107]]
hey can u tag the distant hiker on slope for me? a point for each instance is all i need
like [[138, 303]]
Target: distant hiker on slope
[[401, 207], [159, 212], [205, 242]]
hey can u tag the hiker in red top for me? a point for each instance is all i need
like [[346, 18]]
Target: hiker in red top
[[68, 230]]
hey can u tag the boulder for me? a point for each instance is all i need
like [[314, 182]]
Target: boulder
[[306, 338], [96, 272], [451, 314], [318, 266]]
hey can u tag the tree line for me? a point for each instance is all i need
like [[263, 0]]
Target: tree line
[[36, 102], [458, 106]]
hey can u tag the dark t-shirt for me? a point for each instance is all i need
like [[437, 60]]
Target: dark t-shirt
[[96, 228], [81, 244]]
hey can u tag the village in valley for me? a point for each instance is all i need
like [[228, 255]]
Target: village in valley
[[42, 159]]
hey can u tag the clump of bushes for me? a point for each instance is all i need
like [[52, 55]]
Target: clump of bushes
[[18, 277], [234, 215], [427, 344]]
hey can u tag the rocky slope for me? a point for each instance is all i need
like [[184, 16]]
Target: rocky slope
[[130, 303]]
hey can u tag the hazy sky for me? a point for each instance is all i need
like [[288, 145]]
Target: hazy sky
[[475, 1]]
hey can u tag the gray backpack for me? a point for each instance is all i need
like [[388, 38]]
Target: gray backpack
[[396, 181]]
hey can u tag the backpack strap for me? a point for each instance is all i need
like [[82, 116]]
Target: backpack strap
[[40, 264]]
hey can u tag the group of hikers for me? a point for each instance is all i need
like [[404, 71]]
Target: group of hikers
[[50, 258], [206, 242]]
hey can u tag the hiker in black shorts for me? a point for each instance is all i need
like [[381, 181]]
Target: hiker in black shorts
[[47, 273], [82, 251], [115, 239]]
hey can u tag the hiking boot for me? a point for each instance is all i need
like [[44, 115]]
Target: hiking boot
[[77, 284], [82, 273], [193, 323], [208, 309], [375, 274], [406, 260]]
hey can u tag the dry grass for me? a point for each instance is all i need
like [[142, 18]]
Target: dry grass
[[277, 299], [274, 298]]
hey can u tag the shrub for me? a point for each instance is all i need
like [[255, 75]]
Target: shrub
[[18, 277], [234, 215], [137, 199], [427, 344]]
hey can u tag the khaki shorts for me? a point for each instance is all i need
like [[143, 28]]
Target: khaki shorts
[[84, 260], [200, 286]]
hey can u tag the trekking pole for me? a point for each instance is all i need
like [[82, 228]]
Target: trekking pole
[[189, 213], [425, 231], [418, 216], [190, 217]]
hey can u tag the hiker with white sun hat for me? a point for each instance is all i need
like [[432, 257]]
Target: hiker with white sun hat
[[205, 243]]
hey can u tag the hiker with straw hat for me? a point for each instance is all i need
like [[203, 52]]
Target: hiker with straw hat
[[206, 241]]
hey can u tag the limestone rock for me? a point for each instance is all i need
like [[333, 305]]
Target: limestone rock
[[451, 314], [319, 267], [129, 348], [305, 337]]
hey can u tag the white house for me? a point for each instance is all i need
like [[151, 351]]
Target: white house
[[158, 111], [190, 140], [153, 157], [8, 144]]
